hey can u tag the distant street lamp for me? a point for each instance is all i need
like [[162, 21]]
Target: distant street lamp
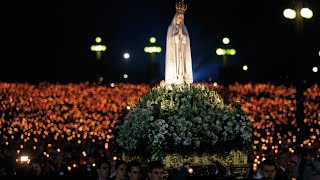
[[315, 69], [126, 57], [153, 68], [292, 14], [152, 49], [98, 48], [225, 51], [245, 67], [299, 12]]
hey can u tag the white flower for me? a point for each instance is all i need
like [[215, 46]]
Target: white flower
[[149, 104], [186, 118]]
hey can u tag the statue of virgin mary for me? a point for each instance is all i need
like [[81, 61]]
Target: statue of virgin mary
[[178, 68]]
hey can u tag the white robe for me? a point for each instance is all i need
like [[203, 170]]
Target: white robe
[[178, 69]]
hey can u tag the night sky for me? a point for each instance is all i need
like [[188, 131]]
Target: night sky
[[50, 40]]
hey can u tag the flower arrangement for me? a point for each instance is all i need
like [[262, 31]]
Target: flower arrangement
[[183, 120]]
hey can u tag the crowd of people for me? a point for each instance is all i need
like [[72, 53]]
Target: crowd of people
[[71, 125]]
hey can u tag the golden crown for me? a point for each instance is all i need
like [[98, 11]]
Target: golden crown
[[181, 7]]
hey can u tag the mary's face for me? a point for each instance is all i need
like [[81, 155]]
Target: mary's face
[[179, 19]]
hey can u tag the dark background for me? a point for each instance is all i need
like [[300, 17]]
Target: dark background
[[50, 40]]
